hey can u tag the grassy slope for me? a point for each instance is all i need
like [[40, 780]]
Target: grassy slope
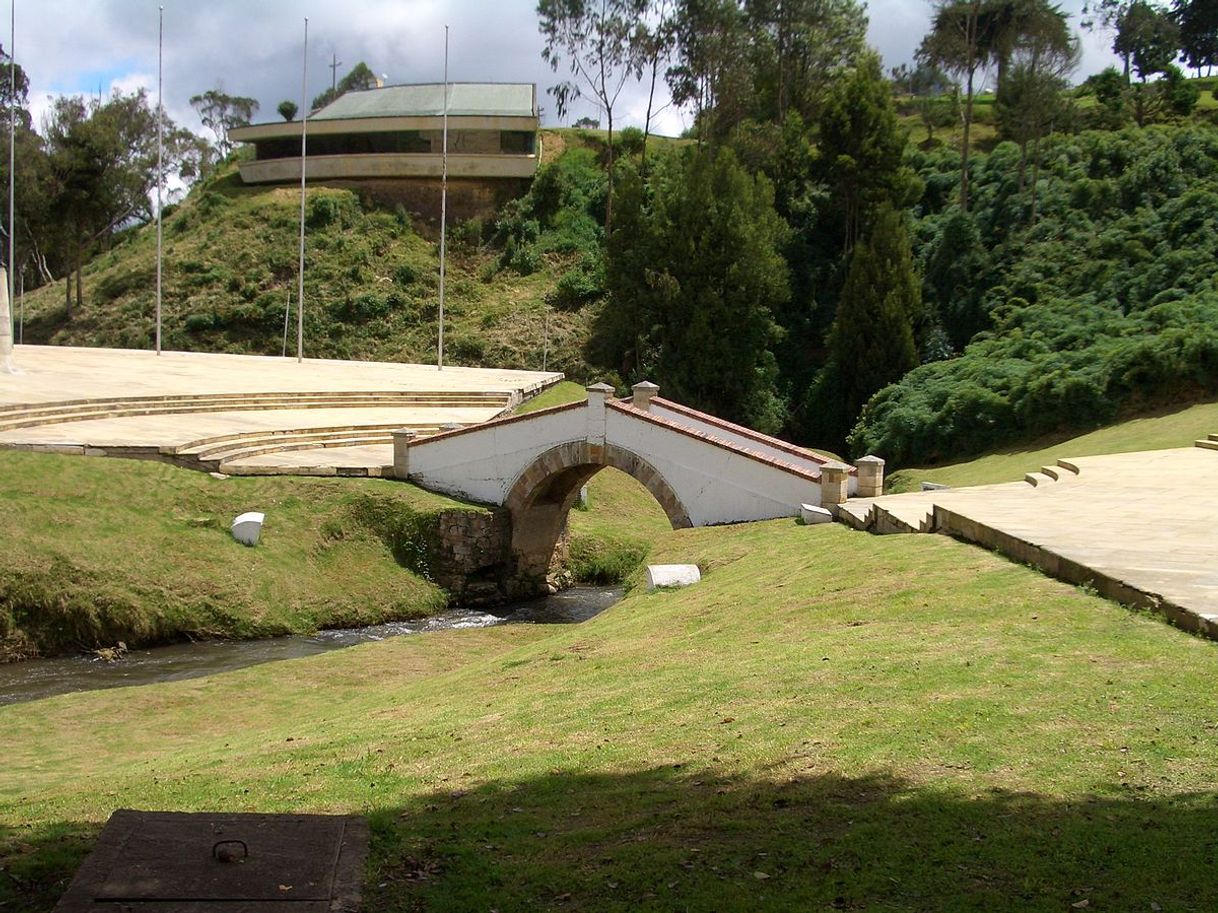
[[829, 720], [1155, 432], [371, 285], [104, 550]]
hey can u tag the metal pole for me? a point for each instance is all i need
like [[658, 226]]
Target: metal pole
[[12, 148], [443, 207], [304, 132], [160, 164], [21, 306]]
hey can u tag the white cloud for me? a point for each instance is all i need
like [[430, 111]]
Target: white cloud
[[254, 48]]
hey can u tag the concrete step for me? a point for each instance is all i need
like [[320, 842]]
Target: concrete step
[[1053, 472], [1207, 444], [1212, 437], [1036, 479], [236, 454], [887, 523], [17, 419], [1068, 466], [204, 447], [856, 515]]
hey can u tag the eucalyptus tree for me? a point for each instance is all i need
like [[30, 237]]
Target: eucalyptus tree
[[1198, 23], [710, 72], [593, 39], [798, 48], [960, 41], [221, 112], [651, 46]]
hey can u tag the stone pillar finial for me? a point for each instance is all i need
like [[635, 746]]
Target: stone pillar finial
[[871, 476], [644, 392], [597, 394], [402, 439], [834, 477]]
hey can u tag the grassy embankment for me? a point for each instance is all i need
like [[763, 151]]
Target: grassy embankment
[[829, 720]]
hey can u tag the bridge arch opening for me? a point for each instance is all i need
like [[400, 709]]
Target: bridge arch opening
[[542, 496]]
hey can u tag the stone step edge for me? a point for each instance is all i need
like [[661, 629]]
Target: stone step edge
[[198, 447]]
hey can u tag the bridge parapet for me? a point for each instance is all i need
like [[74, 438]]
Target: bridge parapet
[[701, 469]]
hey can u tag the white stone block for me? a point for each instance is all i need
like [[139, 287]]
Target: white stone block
[[247, 528], [810, 514], [660, 576]]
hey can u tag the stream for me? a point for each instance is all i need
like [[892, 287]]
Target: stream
[[39, 678]]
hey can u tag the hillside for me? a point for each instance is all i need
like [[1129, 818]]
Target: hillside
[[371, 290]]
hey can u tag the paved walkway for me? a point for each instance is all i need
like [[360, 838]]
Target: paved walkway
[[56, 373], [1140, 527]]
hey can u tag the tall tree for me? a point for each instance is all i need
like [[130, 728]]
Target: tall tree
[[1147, 37], [102, 170], [696, 257], [1140, 28], [1034, 27], [861, 147], [287, 109], [651, 49], [960, 42], [593, 38], [711, 73], [799, 47], [221, 112], [358, 79], [1039, 59], [871, 343], [1198, 24]]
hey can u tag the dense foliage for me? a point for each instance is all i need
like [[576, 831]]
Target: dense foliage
[[1107, 302]]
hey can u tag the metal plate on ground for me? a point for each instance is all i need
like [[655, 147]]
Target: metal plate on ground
[[176, 862]]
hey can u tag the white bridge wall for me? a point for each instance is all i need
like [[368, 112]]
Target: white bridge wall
[[714, 484], [749, 442], [482, 464]]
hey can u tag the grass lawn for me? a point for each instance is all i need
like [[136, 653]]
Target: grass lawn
[[830, 720], [1177, 428], [100, 550]]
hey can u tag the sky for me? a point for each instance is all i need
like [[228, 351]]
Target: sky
[[255, 48]]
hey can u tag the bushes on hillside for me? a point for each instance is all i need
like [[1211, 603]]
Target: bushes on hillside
[[1045, 368]]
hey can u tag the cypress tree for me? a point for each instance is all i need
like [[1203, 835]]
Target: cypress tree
[[872, 340]]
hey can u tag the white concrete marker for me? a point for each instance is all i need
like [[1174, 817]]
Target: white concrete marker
[[660, 576], [248, 527], [810, 514], [6, 327]]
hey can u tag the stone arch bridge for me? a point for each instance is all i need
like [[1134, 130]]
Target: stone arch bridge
[[702, 470]]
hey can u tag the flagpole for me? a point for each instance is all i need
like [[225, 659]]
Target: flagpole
[[304, 132], [12, 150], [443, 207], [160, 163]]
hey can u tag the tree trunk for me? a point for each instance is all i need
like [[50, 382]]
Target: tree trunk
[[609, 192], [964, 143], [651, 94], [67, 293], [1035, 177], [80, 298]]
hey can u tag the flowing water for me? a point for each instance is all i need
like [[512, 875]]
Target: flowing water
[[39, 678]]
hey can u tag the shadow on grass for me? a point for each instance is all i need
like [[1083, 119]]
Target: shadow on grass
[[662, 839]]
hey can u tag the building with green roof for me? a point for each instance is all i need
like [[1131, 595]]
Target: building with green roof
[[390, 140]]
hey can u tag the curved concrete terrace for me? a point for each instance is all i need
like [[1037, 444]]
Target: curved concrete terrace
[[74, 399]]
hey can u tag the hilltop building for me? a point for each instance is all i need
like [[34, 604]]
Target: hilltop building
[[390, 141]]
